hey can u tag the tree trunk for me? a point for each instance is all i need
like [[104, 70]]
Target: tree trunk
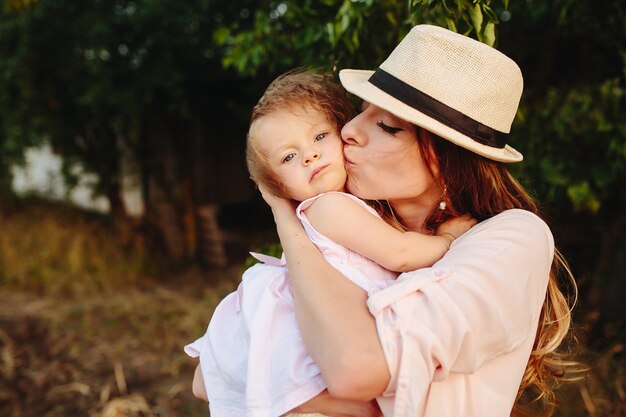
[[162, 186], [211, 239], [118, 210], [5, 174]]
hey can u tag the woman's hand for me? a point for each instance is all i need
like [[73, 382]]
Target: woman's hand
[[325, 404], [277, 204], [455, 227]]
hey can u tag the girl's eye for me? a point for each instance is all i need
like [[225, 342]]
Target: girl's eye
[[389, 129], [320, 136], [289, 157]]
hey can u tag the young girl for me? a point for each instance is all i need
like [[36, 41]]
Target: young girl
[[252, 357]]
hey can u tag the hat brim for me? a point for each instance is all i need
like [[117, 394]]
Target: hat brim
[[356, 82]]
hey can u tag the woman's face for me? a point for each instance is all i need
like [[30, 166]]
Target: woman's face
[[384, 161]]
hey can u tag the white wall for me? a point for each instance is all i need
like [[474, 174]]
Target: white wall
[[42, 176]]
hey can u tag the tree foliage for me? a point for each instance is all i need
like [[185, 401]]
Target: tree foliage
[[90, 77], [572, 55], [86, 75], [343, 33], [166, 79], [571, 123]]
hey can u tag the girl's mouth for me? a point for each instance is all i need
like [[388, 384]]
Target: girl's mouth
[[317, 171]]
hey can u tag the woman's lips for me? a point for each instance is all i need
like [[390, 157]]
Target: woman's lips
[[318, 171]]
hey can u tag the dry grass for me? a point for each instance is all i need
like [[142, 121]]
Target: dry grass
[[118, 354], [50, 248], [83, 332], [601, 394], [121, 355]]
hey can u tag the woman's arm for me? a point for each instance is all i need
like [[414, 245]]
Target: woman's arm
[[330, 406], [347, 223], [323, 403], [336, 326]]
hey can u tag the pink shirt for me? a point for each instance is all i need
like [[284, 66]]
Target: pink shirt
[[457, 336]]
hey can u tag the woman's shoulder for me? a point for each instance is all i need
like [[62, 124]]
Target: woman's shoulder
[[515, 218], [513, 224]]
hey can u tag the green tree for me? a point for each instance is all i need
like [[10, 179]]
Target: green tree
[[570, 126], [102, 79], [171, 82], [572, 131], [343, 33]]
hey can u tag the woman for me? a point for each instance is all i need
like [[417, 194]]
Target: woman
[[469, 335]]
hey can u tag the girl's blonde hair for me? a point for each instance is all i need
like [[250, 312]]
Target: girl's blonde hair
[[295, 90], [483, 188]]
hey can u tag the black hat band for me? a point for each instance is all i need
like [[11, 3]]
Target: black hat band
[[437, 110]]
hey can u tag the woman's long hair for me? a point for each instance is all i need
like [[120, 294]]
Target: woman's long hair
[[483, 188]]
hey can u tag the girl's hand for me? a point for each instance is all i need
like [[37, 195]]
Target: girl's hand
[[333, 407], [455, 227]]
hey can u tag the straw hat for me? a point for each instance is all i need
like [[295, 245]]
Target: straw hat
[[454, 86]]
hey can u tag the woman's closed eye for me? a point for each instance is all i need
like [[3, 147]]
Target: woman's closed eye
[[389, 129]]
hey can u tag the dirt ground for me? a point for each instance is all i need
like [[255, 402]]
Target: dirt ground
[[119, 354], [108, 355]]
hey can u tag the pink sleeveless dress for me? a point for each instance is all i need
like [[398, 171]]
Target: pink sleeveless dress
[[252, 357]]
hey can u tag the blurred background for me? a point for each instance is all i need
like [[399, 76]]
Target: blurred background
[[126, 212]]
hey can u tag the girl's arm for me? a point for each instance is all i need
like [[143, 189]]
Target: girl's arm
[[197, 386], [336, 326], [347, 223]]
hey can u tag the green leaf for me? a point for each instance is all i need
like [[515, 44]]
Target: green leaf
[[451, 25], [330, 28], [489, 36], [583, 198], [345, 22], [221, 35], [476, 14]]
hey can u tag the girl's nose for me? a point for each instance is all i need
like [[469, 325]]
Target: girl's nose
[[311, 156]]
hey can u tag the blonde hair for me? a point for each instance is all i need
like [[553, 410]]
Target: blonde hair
[[295, 90], [483, 188]]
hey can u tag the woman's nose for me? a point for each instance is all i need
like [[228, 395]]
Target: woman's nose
[[351, 134]]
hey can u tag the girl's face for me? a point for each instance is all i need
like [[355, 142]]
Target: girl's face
[[384, 161], [303, 149]]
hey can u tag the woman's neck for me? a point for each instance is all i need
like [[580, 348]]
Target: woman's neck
[[414, 211]]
